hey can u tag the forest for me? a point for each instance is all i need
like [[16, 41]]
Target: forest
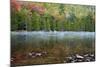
[[30, 16]]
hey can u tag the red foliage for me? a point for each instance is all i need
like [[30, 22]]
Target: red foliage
[[37, 8], [16, 5]]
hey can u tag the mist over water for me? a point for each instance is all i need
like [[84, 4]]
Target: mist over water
[[51, 37]]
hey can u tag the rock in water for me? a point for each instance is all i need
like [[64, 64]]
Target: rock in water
[[86, 55], [79, 56], [38, 54]]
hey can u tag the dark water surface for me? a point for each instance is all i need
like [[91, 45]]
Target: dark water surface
[[67, 38]]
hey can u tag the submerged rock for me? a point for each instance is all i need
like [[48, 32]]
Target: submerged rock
[[12, 59], [86, 55], [37, 54]]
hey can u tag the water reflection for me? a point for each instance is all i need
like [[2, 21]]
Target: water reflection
[[39, 38]]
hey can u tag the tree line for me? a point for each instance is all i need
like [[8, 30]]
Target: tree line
[[59, 17]]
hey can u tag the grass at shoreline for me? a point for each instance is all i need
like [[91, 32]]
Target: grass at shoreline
[[55, 54]]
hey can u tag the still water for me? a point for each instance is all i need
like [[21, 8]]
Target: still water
[[48, 38]]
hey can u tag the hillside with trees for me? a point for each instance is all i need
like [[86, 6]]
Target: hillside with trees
[[35, 16]]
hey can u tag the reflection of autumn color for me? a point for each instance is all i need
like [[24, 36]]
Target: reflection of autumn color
[[37, 8], [16, 5], [18, 57]]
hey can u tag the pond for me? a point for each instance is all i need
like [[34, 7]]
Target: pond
[[57, 45], [51, 37]]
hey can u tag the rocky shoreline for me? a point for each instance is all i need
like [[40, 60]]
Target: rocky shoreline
[[69, 59], [80, 58]]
